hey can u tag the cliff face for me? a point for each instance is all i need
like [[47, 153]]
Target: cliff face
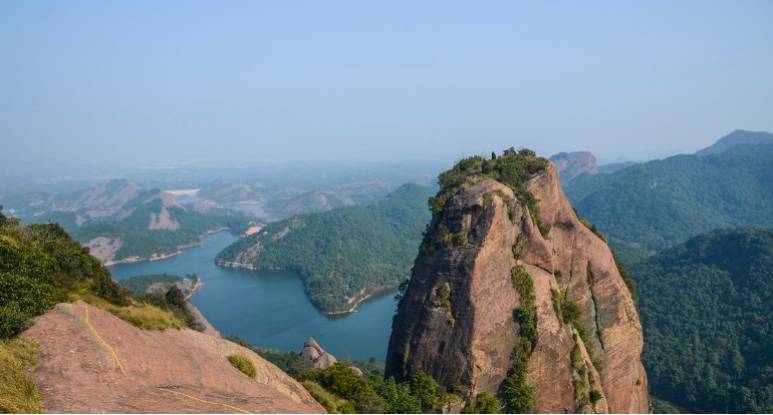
[[91, 361], [458, 319]]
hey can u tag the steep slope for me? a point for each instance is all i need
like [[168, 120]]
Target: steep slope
[[344, 255], [707, 311], [571, 165], [91, 361], [512, 295], [737, 137], [654, 205]]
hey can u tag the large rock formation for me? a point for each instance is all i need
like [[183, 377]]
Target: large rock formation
[[315, 354], [459, 318], [91, 361], [571, 165]]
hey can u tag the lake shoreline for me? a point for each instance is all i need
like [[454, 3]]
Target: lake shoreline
[[160, 257]]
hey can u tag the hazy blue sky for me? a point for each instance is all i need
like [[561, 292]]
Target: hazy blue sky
[[133, 81]]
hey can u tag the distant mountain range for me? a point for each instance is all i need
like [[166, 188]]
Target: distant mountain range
[[737, 137], [651, 206], [120, 221]]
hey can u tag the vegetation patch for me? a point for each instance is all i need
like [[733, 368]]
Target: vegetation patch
[[568, 312], [484, 403], [18, 393], [516, 391], [332, 403], [243, 363], [40, 266]]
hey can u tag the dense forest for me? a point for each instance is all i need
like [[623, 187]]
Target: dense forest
[[347, 252], [651, 206], [706, 307]]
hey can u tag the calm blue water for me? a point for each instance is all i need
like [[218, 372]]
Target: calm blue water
[[270, 309]]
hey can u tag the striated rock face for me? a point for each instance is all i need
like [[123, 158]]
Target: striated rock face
[[91, 361], [571, 165], [456, 319]]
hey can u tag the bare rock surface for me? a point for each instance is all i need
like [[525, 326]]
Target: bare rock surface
[[90, 361], [456, 318]]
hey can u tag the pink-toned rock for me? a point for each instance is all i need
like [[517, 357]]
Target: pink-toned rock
[[315, 354], [100, 363], [456, 318]]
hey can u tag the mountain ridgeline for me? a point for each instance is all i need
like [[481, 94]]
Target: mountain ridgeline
[[344, 255], [651, 206], [512, 295], [706, 308]]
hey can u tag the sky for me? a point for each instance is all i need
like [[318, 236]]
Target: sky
[[145, 82]]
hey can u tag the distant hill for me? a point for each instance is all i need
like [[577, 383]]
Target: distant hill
[[571, 165], [119, 220], [652, 206], [610, 168], [343, 255], [737, 137], [707, 311]]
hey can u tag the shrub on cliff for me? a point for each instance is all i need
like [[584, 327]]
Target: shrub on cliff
[[39, 265], [243, 363]]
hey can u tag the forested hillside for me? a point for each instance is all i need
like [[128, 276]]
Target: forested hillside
[[707, 311], [345, 254], [136, 237], [651, 206]]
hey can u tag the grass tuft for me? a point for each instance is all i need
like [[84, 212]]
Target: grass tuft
[[243, 363], [18, 393]]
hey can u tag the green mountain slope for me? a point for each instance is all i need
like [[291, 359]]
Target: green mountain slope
[[345, 254], [707, 311], [737, 137], [652, 206]]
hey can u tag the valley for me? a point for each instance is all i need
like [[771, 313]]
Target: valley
[[270, 309]]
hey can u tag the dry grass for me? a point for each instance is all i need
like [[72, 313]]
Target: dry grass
[[243, 363], [18, 393], [143, 315]]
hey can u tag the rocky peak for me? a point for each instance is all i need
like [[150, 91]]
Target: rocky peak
[[571, 165], [513, 295]]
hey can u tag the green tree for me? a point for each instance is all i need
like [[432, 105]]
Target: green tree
[[426, 389]]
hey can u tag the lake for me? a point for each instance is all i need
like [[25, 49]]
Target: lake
[[270, 309]]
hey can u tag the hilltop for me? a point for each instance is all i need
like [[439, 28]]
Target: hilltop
[[512, 295], [344, 255]]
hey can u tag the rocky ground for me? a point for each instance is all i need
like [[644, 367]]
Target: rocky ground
[[91, 361]]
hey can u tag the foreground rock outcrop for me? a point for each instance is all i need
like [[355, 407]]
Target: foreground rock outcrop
[[462, 316], [91, 361]]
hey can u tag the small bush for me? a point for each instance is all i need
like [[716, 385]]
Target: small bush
[[18, 393], [243, 363], [484, 403], [329, 401]]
